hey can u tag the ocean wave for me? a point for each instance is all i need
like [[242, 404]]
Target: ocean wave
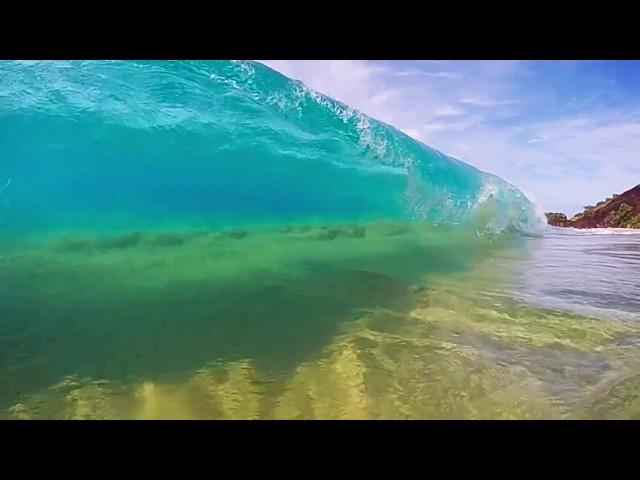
[[98, 141]]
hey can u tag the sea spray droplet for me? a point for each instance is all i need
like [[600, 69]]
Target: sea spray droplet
[[6, 185]]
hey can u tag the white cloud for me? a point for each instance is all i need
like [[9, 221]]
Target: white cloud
[[486, 102], [448, 111], [451, 124], [421, 73]]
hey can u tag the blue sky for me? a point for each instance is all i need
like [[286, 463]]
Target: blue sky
[[567, 133]]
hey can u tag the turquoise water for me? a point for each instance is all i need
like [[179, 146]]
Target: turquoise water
[[104, 145], [210, 239]]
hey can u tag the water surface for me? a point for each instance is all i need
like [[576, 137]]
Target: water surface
[[214, 240]]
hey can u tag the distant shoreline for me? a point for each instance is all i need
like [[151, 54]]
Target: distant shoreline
[[618, 211]]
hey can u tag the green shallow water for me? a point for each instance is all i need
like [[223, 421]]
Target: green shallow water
[[387, 319]]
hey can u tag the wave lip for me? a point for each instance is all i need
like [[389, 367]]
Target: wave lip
[[160, 140]]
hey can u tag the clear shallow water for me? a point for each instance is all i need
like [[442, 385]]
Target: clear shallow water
[[369, 320], [214, 240], [590, 271]]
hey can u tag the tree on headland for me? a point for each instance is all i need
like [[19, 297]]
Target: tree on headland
[[617, 211], [624, 217], [556, 218]]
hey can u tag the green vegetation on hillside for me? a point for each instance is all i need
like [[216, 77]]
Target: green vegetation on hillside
[[624, 217], [555, 218], [617, 211]]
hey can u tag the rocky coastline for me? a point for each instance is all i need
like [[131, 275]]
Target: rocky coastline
[[619, 211]]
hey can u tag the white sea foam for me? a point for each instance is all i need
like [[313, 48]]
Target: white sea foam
[[604, 231]]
